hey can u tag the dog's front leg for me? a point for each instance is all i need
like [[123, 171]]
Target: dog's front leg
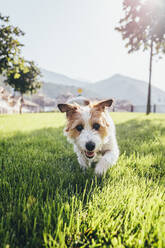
[[107, 161], [80, 158], [82, 162]]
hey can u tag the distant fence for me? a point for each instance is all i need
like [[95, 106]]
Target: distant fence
[[129, 108], [155, 108]]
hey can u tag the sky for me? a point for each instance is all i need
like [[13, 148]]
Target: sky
[[77, 38]]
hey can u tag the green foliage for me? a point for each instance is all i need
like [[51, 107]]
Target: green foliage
[[9, 44], [143, 22], [24, 77], [47, 201]]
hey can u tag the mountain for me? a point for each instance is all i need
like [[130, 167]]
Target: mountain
[[118, 86], [56, 78], [53, 90], [133, 90], [55, 84]]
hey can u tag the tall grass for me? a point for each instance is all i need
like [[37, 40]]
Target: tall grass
[[47, 201]]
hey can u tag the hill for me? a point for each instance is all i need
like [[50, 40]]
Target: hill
[[60, 79], [118, 86], [53, 90], [133, 90], [55, 84]]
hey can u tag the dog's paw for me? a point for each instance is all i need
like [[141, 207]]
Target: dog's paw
[[102, 166], [83, 168], [100, 170]]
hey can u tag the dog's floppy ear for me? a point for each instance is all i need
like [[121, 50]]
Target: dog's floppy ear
[[66, 107], [101, 105]]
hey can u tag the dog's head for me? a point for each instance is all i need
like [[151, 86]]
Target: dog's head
[[87, 126]]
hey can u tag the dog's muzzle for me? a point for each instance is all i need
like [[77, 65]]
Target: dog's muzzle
[[90, 146]]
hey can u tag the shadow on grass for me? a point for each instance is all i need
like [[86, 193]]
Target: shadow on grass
[[143, 140], [38, 170], [132, 135], [44, 162]]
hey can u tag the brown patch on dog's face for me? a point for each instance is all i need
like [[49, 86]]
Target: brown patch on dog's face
[[98, 119], [75, 125], [98, 122]]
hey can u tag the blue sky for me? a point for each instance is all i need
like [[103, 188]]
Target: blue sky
[[77, 38]]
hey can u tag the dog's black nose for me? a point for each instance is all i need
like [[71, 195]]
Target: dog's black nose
[[90, 146]]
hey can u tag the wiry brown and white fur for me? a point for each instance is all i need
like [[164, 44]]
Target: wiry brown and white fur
[[92, 132]]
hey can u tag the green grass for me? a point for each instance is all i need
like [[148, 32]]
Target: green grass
[[47, 201]]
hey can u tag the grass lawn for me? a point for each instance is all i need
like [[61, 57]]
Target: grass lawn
[[47, 201]]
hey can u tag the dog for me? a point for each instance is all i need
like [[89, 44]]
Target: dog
[[92, 132]]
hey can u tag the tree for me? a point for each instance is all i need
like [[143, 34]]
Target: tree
[[24, 80], [9, 44], [144, 27]]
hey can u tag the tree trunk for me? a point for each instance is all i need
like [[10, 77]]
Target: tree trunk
[[148, 110], [21, 103], [20, 109]]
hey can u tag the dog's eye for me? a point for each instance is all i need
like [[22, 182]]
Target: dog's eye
[[79, 128], [96, 126]]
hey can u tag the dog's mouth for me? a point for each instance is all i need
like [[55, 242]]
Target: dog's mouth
[[89, 154]]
